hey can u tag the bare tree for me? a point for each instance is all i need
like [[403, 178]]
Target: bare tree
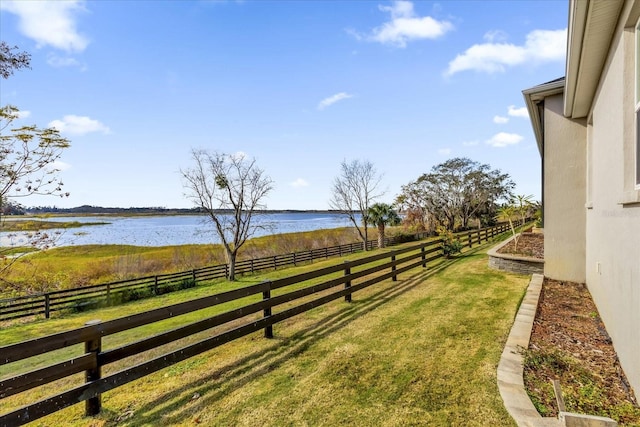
[[28, 156], [230, 190], [354, 191]]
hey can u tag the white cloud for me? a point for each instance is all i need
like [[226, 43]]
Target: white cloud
[[540, 46], [504, 139], [518, 112], [333, 99], [444, 151], [79, 125], [23, 114], [60, 165], [238, 156], [49, 22], [500, 120], [404, 26], [299, 183], [470, 143]]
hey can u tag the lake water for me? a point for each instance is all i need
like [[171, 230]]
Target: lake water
[[178, 230]]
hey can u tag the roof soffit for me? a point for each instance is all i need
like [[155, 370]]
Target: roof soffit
[[592, 24]]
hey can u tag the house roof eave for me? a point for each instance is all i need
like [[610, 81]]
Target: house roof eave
[[592, 25], [533, 98]]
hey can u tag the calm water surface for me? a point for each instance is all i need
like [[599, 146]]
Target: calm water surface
[[178, 230]]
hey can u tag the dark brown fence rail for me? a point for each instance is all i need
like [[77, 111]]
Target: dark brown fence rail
[[88, 296], [92, 296], [294, 295]]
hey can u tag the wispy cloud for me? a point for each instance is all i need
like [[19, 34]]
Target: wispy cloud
[[51, 23], [299, 183], [444, 151], [470, 143], [500, 120], [79, 125], [404, 26], [518, 112], [504, 139], [333, 99], [66, 61], [492, 57]]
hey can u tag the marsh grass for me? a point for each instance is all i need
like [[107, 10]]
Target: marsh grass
[[77, 266], [419, 351]]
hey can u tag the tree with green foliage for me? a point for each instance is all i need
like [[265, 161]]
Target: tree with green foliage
[[230, 189], [354, 191], [382, 215], [458, 190]]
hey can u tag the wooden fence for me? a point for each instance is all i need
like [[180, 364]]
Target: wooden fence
[[88, 297], [294, 295]]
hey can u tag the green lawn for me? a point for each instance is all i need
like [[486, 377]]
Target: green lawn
[[419, 351]]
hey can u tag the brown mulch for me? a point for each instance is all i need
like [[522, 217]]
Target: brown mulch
[[570, 343], [529, 244]]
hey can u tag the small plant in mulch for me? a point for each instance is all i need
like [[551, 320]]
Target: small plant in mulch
[[569, 343]]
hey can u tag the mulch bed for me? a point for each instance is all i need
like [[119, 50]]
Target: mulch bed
[[529, 244], [570, 343]]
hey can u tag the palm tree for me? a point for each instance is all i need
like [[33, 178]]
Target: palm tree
[[381, 215]]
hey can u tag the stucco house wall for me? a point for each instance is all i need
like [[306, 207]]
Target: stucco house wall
[[564, 193], [612, 219], [585, 128]]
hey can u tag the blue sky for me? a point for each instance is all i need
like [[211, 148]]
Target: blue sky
[[298, 85]]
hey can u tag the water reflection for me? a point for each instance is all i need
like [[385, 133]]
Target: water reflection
[[176, 230]]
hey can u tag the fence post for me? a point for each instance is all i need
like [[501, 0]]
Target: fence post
[[294, 259], [47, 306], [470, 239], [326, 253], [347, 284], [394, 278], [108, 293], [226, 271], [94, 345], [155, 285], [266, 313], [424, 257], [251, 265], [275, 263], [193, 276]]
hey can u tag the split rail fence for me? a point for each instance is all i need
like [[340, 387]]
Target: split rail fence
[[104, 294], [266, 304]]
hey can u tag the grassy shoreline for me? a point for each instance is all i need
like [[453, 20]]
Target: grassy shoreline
[[77, 266], [19, 225]]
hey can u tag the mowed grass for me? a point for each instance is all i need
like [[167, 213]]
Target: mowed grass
[[419, 351]]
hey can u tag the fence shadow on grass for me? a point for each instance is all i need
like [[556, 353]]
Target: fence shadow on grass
[[233, 376]]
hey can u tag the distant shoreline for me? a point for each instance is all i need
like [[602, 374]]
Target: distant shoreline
[[101, 211]]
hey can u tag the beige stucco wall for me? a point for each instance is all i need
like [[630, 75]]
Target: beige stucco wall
[[564, 193], [613, 228]]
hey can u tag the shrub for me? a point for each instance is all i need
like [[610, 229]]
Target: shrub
[[450, 244]]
